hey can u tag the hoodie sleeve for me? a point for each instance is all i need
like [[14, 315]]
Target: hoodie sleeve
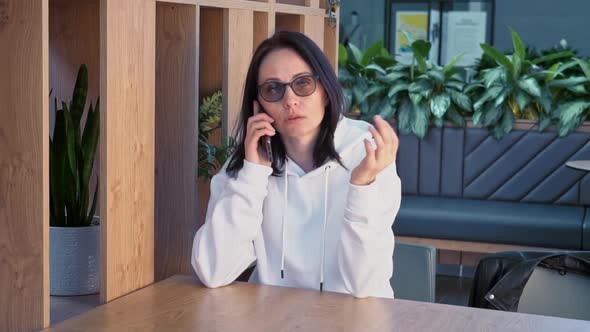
[[365, 258], [223, 247]]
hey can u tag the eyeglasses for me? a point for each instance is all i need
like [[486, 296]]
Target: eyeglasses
[[302, 86]]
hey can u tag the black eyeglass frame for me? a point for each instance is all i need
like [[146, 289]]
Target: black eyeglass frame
[[284, 85]]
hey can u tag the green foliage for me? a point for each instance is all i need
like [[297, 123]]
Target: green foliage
[[516, 87], [418, 94], [210, 156], [71, 158], [362, 76], [573, 111], [551, 87]]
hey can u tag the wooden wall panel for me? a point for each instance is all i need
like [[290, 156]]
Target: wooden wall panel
[[237, 50], [176, 137], [264, 27], [331, 40], [24, 165], [289, 22], [127, 146], [313, 27]]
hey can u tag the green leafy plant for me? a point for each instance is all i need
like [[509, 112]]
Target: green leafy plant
[[573, 111], [423, 92], [362, 78], [211, 157], [72, 153], [515, 88]]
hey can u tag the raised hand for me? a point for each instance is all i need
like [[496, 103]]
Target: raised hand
[[377, 159], [258, 125]]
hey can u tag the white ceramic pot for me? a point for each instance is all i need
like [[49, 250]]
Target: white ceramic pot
[[74, 259]]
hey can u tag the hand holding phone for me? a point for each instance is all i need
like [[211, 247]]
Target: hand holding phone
[[258, 148]]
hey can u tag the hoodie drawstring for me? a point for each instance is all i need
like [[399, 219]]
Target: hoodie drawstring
[[323, 249], [325, 222], [283, 226]]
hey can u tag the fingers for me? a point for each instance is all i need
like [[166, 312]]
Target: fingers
[[378, 138], [256, 107], [261, 128], [389, 137], [384, 129], [370, 157]]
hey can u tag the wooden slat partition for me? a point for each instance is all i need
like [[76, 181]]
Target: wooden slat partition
[[331, 37], [176, 137], [203, 46], [264, 27], [238, 37], [24, 165], [289, 22], [210, 55], [127, 146], [313, 27]]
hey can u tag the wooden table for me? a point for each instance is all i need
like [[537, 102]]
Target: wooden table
[[180, 303]]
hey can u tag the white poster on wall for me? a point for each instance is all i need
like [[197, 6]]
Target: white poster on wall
[[463, 32]]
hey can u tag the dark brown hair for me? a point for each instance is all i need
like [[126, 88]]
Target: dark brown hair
[[324, 149]]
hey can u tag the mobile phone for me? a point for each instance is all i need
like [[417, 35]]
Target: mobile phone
[[267, 147], [266, 142]]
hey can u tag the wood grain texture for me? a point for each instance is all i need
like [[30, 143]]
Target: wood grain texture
[[176, 137], [313, 27], [182, 304], [331, 38], [288, 22], [473, 247], [470, 258], [24, 165], [210, 55], [298, 10], [257, 5], [74, 39], [264, 26], [238, 40], [448, 257], [127, 146]]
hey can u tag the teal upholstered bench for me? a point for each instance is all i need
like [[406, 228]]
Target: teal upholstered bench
[[463, 187]]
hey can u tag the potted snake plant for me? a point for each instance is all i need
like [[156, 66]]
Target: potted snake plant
[[74, 230]]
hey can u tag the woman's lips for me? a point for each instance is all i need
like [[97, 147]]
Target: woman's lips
[[295, 118]]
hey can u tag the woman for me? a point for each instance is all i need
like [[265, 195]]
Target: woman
[[320, 214]]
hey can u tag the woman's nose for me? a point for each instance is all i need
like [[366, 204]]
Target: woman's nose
[[290, 99]]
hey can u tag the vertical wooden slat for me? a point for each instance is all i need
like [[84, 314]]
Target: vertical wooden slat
[[24, 165], [176, 137], [238, 41], [127, 146], [313, 27], [331, 40]]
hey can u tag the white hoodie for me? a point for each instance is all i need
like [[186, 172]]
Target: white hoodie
[[314, 230]]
